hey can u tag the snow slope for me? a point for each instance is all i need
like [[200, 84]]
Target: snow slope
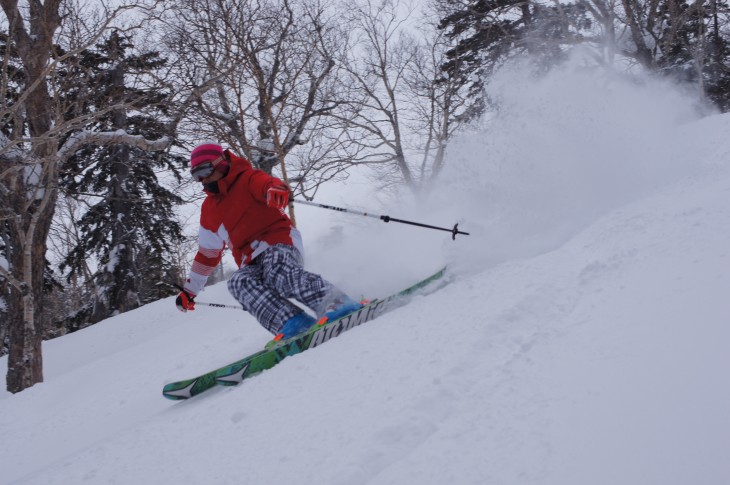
[[584, 349]]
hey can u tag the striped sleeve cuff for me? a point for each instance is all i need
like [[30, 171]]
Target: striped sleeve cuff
[[203, 266]]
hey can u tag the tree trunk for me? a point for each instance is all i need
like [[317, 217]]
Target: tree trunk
[[33, 198], [643, 53], [123, 292], [25, 332]]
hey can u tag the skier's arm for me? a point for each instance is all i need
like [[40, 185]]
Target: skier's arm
[[209, 254], [261, 182]]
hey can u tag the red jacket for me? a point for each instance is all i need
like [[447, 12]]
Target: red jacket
[[238, 217]]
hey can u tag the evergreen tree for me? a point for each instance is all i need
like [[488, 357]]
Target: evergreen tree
[[717, 70], [12, 124], [693, 48], [131, 226], [487, 32]]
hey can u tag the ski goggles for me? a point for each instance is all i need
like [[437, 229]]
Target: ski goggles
[[205, 169]]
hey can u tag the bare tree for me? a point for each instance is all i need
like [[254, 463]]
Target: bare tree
[[263, 75], [437, 104], [655, 26], [685, 40], [29, 165], [404, 108], [607, 29]]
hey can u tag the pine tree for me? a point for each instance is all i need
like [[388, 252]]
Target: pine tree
[[487, 32], [131, 226], [693, 47], [717, 70]]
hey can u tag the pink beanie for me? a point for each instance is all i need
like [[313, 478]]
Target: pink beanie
[[207, 152]]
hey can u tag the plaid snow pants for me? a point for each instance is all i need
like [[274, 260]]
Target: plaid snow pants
[[264, 286]]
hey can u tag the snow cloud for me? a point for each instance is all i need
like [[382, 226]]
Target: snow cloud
[[560, 151]]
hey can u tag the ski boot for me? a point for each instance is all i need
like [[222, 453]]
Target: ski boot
[[339, 308], [299, 323]]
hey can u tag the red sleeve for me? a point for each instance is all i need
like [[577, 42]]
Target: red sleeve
[[261, 182]]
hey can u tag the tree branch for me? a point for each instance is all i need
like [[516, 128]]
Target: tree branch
[[87, 137]]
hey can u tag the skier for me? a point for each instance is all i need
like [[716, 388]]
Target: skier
[[244, 209]]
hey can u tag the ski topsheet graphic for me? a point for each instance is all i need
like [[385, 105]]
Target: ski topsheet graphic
[[235, 372]]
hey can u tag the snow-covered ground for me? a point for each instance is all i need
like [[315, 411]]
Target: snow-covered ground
[[583, 338]]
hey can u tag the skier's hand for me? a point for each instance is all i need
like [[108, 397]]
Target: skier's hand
[[185, 301], [277, 197]]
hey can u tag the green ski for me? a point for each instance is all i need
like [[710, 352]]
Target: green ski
[[234, 373]]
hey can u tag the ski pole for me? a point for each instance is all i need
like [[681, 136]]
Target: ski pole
[[454, 231], [216, 305]]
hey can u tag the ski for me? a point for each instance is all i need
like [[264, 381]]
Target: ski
[[236, 372]]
